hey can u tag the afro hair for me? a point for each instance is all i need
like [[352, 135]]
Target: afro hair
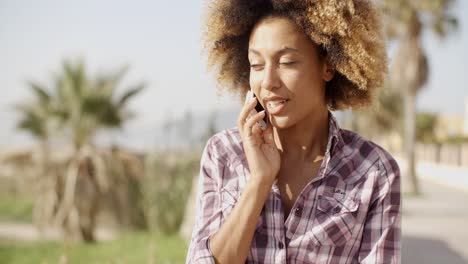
[[347, 31]]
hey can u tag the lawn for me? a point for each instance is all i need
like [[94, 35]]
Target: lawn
[[15, 209], [132, 247]]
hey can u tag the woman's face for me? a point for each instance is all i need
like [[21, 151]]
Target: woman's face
[[285, 63]]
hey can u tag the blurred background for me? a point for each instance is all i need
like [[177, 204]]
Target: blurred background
[[106, 106]]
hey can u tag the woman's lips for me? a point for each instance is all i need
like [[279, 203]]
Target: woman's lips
[[275, 107]]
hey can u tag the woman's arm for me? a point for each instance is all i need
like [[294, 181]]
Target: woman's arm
[[233, 241], [233, 238], [381, 241], [208, 206], [231, 244]]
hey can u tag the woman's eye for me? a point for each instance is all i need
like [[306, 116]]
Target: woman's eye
[[256, 66], [287, 62]]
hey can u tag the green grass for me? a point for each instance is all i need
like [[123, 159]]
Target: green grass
[[15, 209], [135, 247]]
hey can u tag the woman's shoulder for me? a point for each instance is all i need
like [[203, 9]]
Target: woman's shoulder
[[366, 151], [226, 145]]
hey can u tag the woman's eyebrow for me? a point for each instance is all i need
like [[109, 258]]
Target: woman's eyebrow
[[281, 51]]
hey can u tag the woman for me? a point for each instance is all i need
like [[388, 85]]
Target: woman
[[302, 190]]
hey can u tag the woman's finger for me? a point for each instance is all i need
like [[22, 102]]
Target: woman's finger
[[249, 105], [252, 121], [256, 129], [246, 110], [240, 121]]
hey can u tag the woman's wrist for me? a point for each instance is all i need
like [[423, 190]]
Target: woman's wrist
[[260, 185]]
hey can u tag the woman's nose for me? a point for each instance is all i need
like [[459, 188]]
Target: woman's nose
[[270, 79]]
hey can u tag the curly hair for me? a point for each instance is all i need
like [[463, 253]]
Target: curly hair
[[347, 31]]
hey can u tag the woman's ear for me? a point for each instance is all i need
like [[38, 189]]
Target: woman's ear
[[328, 73]]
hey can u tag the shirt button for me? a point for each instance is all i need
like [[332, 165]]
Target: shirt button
[[298, 210], [281, 245], [336, 209]]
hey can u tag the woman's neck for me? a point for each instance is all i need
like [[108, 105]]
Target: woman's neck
[[306, 140]]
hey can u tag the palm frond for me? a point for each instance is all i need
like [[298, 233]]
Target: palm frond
[[40, 92], [31, 120], [77, 104], [107, 83], [130, 93], [76, 76], [434, 13]]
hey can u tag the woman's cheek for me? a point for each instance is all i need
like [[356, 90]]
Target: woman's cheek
[[254, 81], [292, 77]]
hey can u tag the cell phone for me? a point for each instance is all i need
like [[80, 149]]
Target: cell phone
[[258, 107]]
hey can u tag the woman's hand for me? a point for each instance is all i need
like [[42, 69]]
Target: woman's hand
[[262, 155]]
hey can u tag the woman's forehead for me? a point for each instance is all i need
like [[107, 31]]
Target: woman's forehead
[[284, 50], [278, 35]]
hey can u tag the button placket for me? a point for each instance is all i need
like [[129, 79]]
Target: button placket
[[298, 211]]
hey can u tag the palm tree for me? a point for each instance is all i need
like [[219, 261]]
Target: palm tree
[[80, 106], [86, 105], [405, 21]]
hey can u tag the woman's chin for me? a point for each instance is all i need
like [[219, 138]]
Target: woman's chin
[[280, 122]]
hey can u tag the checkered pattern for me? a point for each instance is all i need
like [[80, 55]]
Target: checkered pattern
[[349, 213]]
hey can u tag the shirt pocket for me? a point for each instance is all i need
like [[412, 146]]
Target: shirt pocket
[[335, 221]]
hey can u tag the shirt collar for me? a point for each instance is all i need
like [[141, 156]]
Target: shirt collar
[[335, 141]]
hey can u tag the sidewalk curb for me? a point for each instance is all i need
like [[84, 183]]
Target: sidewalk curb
[[446, 175]]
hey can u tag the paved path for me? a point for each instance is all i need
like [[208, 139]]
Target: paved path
[[10, 231], [435, 226]]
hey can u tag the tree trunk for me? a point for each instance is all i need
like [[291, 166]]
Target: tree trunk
[[410, 73], [45, 184], [410, 142]]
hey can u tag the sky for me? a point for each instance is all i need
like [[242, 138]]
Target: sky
[[160, 40]]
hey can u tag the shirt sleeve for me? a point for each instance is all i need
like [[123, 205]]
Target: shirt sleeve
[[381, 241], [208, 208]]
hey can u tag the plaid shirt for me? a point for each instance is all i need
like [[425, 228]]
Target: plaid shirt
[[349, 213]]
